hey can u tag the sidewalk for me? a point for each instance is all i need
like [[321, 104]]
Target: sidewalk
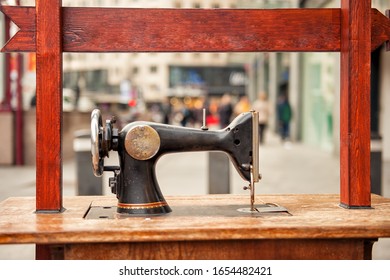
[[285, 169]]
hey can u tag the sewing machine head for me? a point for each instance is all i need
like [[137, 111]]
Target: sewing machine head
[[140, 144]]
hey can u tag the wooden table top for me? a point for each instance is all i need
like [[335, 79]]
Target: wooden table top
[[209, 217]]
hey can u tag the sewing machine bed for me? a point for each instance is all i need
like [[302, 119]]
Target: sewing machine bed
[[202, 227]]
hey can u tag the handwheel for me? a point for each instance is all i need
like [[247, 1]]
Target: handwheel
[[96, 142]]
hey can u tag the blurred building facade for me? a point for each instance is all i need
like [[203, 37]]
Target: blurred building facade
[[319, 91]]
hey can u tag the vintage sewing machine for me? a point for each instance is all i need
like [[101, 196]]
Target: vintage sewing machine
[[140, 144]]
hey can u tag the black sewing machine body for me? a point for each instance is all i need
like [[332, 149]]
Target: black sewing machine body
[[140, 145]]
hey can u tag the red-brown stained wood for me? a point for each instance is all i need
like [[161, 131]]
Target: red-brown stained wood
[[137, 30], [181, 30], [201, 222], [267, 249], [380, 31], [168, 30], [208, 217], [49, 106], [42, 252], [25, 38], [157, 30], [355, 103]]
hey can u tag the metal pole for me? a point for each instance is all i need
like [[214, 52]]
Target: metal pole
[[19, 122], [19, 152]]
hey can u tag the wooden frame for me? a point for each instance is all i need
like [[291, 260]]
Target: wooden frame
[[49, 29], [49, 106], [200, 227], [355, 48], [346, 30]]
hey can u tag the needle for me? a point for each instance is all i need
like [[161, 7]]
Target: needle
[[252, 189], [252, 201]]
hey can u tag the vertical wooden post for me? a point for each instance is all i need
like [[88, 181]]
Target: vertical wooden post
[[49, 106], [355, 103]]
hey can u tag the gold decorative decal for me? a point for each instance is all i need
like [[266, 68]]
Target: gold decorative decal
[[142, 205], [142, 142]]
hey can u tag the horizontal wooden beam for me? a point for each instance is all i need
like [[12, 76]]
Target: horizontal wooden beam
[[25, 39], [190, 30], [195, 30]]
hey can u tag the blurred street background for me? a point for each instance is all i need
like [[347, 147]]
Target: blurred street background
[[297, 95]]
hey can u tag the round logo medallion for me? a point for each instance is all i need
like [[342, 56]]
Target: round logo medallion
[[142, 142]]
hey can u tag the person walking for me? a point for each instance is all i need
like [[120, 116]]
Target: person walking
[[284, 117], [242, 106], [225, 110]]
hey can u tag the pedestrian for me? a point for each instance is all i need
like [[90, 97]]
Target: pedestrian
[[284, 117], [186, 115], [242, 106], [33, 101], [77, 91], [166, 109], [261, 105]]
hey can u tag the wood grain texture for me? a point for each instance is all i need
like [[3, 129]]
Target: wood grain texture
[[136, 30], [212, 217], [355, 104], [380, 31], [190, 30], [49, 106], [178, 30], [255, 249], [25, 38], [139, 30]]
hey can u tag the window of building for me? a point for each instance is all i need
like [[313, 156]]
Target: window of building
[[68, 57], [153, 69]]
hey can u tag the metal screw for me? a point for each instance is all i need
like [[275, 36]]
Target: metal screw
[[204, 126]]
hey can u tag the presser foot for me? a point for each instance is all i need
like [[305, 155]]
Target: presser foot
[[263, 208]]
